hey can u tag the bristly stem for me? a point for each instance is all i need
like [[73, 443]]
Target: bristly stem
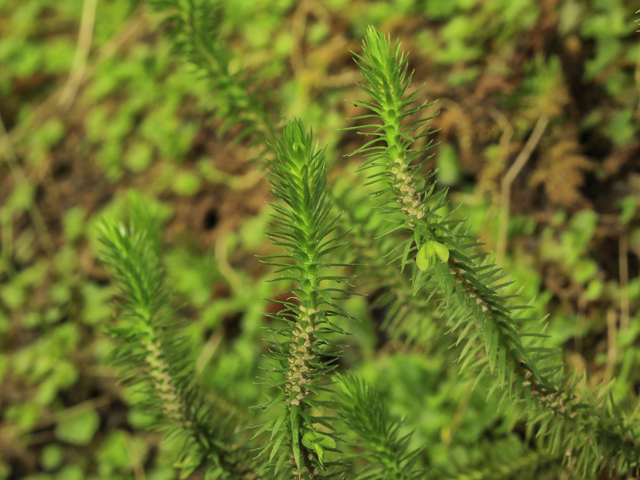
[[153, 356], [448, 254], [365, 413], [303, 228], [195, 28]]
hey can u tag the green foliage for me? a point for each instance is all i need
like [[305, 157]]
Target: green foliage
[[302, 227], [195, 30], [365, 413], [152, 356], [431, 251], [79, 429], [139, 122], [52, 457], [445, 259], [466, 278]]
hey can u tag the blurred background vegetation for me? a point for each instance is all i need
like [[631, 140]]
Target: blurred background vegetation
[[539, 113]]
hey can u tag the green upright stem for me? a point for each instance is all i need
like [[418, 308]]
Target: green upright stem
[[300, 226], [465, 277]]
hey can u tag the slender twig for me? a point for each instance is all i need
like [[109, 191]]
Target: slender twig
[[507, 131], [136, 460], [6, 248], [637, 79], [612, 346], [82, 53], [507, 181], [298, 28], [623, 262]]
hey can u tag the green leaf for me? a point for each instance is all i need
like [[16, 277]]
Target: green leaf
[[422, 261], [70, 472], [78, 429], [52, 457], [308, 439], [317, 442], [295, 435], [441, 251], [186, 183], [188, 465], [320, 453], [405, 254], [425, 254], [430, 250]]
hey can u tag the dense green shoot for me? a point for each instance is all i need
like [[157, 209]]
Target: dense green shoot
[[527, 371], [152, 357], [302, 227], [195, 30], [365, 414], [433, 277]]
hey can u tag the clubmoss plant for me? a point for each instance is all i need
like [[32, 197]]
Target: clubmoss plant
[[365, 413], [444, 252], [430, 261], [194, 26], [152, 357], [302, 227]]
